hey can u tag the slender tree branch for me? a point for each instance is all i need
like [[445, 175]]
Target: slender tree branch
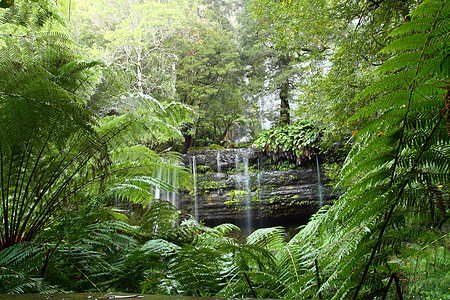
[[393, 206], [397, 286], [386, 289]]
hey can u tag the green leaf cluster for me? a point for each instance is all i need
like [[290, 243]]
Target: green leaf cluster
[[397, 171], [56, 154], [294, 143]]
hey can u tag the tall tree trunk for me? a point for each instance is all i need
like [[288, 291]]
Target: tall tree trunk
[[139, 71], [187, 143], [285, 118], [187, 135]]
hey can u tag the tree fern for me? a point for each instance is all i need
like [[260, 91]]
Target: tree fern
[[398, 161], [31, 16], [58, 143], [55, 157]]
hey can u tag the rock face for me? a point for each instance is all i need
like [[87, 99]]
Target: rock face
[[240, 186]]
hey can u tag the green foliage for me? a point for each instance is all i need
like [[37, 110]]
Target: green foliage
[[236, 198], [54, 152], [6, 3], [113, 84], [139, 36], [206, 263], [27, 17], [294, 143], [209, 79], [42, 154], [338, 43], [215, 147], [398, 161], [174, 50], [60, 169], [281, 165], [332, 173]]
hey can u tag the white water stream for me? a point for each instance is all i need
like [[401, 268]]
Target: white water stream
[[243, 185], [219, 169], [319, 183], [194, 174]]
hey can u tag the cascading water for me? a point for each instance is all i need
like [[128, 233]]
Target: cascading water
[[319, 183], [237, 166], [157, 188], [286, 197], [172, 196], [259, 178], [242, 178], [169, 178], [219, 169], [248, 196], [194, 174]]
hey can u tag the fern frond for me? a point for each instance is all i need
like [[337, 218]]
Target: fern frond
[[268, 238], [415, 25], [397, 161], [226, 228], [144, 119], [427, 8], [406, 43], [402, 61]]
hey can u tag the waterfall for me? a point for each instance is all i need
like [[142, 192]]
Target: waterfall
[[248, 196], [243, 184], [157, 187], [219, 169], [194, 174], [167, 180], [172, 197], [259, 177], [319, 183], [237, 166], [267, 105]]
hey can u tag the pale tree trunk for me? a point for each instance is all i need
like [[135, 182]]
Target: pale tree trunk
[[139, 75]]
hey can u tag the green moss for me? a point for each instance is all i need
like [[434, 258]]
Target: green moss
[[211, 184], [206, 148], [215, 147], [235, 197], [204, 169]]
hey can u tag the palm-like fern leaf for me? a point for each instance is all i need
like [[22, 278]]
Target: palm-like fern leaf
[[399, 158], [40, 153]]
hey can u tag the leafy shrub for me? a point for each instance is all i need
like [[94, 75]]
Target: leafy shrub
[[293, 143]]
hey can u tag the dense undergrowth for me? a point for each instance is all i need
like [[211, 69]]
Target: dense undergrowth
[[63, 168]]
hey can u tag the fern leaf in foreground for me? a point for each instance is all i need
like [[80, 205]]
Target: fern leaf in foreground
[[395, 171]]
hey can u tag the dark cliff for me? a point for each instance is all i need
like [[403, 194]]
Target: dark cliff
[[248, 187]]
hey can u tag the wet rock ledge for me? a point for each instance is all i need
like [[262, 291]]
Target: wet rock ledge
[[234, 185]]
